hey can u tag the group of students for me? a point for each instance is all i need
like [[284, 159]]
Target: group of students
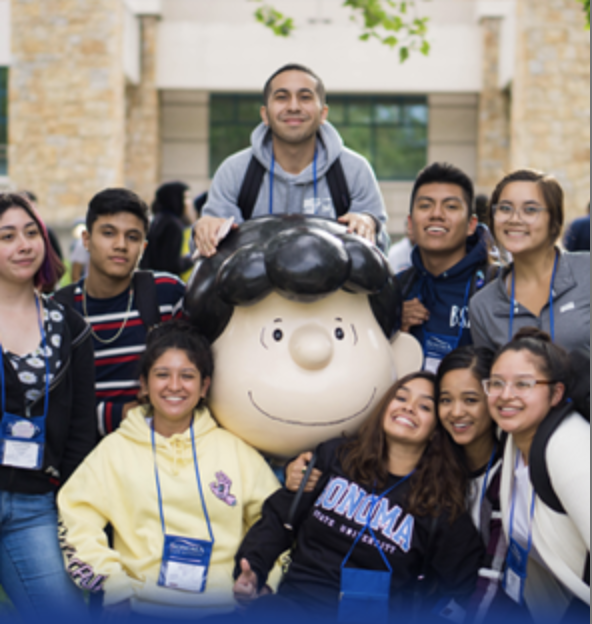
[[433, 497]]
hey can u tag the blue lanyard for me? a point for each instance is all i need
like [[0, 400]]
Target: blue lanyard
[[514, 508], [272, 176], [47, 371], [373, 503], [551, 301], [203, 502], [484, 488]]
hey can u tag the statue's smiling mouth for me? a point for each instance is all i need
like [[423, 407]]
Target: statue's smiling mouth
[[299, 423]]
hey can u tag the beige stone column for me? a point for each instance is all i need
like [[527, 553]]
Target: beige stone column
[[66, 102], [551, 96], [493, 151], [142, 150]]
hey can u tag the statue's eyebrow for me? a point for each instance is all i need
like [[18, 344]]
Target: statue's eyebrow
[[277, 320], [339, 319]]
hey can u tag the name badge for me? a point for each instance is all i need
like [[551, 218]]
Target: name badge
[[185, 564], [22, 443], [516, 572], [26, 455], [436, 348], [364, 596]]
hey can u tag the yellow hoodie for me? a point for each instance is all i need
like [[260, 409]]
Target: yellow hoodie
[[116, 484]]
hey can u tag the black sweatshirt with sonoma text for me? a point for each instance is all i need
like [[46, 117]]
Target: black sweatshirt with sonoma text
[[327, 523]]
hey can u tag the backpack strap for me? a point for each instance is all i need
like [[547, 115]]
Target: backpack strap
[[406, 281], [580, 381], [539, 475], [250, 188], [338, 187], [146, 298], [247, 197], [65, 295]]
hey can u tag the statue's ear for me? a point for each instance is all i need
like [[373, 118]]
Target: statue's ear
[[407, 353]]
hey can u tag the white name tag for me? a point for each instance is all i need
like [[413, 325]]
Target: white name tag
[[21, 454], [567, 307], [513, 586], [432, 365], [185, 577]]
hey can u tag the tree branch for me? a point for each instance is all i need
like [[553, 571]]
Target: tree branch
[[393, 23]]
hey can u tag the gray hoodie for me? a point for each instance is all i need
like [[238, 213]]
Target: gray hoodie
[[295, 193]]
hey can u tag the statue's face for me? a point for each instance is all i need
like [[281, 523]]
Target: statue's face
[[290, 375]]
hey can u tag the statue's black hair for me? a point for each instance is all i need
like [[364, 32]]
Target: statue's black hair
[[302, 258]]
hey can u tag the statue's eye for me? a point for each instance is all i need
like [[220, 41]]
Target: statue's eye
[[278, 334], [339, 334]]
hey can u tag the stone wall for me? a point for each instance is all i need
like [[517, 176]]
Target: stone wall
[[551, 96], [184, 138], [142, 161], [493, 146], [66, 102]]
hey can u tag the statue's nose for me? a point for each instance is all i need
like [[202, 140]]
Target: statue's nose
[[311, 347]]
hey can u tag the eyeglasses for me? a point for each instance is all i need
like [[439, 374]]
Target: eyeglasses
[[527, 214], [496, 387]]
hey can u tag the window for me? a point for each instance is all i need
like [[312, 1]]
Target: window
[[391, 132], [3, 119], [232, 119]]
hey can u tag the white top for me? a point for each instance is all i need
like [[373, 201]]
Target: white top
[[561, 541], [523, 504], [399, 256], [79, 253], [476, 492]]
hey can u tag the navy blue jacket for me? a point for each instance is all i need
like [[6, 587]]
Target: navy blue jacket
[[577, 237], [444, 295]]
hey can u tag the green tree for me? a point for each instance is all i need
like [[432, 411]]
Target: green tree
[[586, 4], [395, 23]]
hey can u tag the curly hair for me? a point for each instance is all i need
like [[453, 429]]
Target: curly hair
[[439, 482]]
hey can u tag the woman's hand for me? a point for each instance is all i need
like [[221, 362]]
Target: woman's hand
[[296, 470], [245, 587]]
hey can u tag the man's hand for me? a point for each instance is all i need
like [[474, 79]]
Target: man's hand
[[414, 313], [245, 586], [206, 235], [361, 224], [295, 473]]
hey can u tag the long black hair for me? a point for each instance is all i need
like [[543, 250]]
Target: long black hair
[[439, 482], [477, 360]]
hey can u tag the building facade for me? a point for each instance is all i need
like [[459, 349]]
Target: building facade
[[138, 92]]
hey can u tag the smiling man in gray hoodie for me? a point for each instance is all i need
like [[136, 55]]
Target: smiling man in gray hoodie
[[297, 164]]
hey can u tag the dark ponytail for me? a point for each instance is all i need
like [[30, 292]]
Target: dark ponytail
[[476, 359], [553, 360]]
